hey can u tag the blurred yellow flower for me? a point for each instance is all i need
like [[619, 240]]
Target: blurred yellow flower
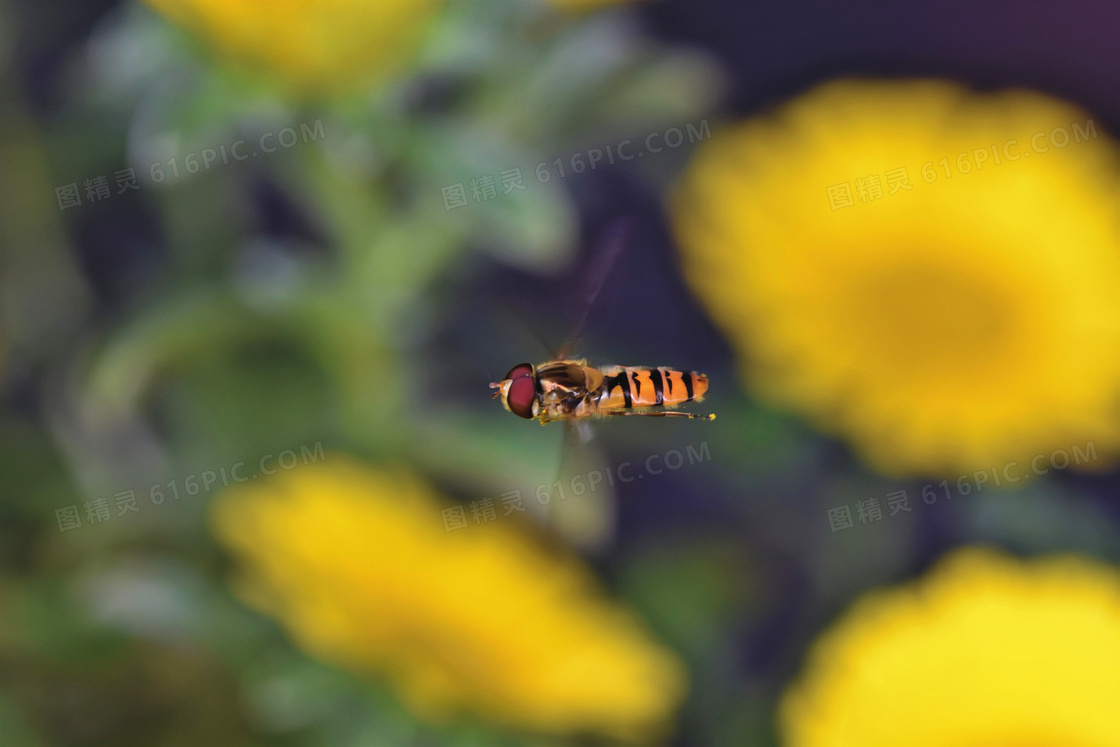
[[358, 565], [313, 46], [931, 273], [987, 651]]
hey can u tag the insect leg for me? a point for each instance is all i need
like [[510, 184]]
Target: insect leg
[[668, 414]]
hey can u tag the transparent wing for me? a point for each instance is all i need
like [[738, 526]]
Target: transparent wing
[[610, 247], [580, 507], [586, 514], [582, 504]]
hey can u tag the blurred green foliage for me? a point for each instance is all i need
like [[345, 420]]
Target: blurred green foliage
[[229, 341]]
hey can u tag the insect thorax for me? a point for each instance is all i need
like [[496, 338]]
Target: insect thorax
[[564, 385]]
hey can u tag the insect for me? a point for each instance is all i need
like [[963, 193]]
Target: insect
[[567, 389], [571, 390]]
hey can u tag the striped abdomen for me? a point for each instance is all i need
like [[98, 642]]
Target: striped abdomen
[[625, 388]]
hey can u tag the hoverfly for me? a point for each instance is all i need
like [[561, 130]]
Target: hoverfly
[[572, 390], [567, 389], [564, 388]]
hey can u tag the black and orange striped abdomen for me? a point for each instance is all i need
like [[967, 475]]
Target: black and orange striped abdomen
[[627, 388]]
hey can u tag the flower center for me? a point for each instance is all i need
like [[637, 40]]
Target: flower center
[[917, 317]]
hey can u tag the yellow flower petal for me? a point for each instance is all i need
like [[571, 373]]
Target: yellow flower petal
[[987, 651], [312, 46], [357, 564], [966, 322]]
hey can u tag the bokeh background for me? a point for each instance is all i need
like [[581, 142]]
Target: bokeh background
[[259, 261]]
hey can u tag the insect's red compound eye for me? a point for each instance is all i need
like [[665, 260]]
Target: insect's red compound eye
[[522, 394], [521, 369]]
